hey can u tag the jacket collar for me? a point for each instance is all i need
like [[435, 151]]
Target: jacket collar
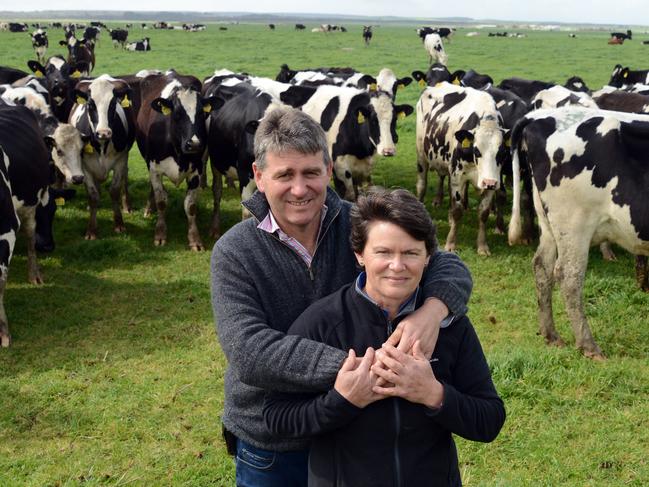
[[258, 206]]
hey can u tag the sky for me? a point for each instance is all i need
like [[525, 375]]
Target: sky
[[632, 12]]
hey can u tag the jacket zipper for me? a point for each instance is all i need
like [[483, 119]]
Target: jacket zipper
[[397, 429]]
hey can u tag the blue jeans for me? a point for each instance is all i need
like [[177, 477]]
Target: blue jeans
[[263, 468]]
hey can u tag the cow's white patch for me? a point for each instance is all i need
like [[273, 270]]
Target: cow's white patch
[[169, 167], [189, 100], [384, 109]]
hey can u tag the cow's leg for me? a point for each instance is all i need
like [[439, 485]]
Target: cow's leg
[[27, 217], [127, 206], [642, 272], [120, 173], [150, 208], [543, 264], [500, 202], [527, 206], [454, 213], [483, 215], [160, 197], [439, 197], [422, 178], [607, 251], [92, 188], [217, 193], [5, 336], [191, 209]]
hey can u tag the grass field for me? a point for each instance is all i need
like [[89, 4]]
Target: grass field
[[115, 376]]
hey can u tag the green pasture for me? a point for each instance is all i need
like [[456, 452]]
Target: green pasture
[[115, 376]]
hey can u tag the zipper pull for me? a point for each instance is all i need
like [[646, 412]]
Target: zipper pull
[[311, 274]]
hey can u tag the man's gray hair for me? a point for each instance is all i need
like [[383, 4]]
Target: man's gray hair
[[289, 130]]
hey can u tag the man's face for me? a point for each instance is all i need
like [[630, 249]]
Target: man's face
[[295, 186]]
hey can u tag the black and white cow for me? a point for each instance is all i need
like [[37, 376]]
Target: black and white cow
[[625, 76], [367, 34], [524, 88], [141, 45], [473, 79], [230, 137], [387, 81], [443, 32], [118, 37], [9, 225], [590, 170], [346, 77], [10, 75], [80, 51], [435, 49], [459, 134], [91, 34], [437, 73], [29, 173], [623, 101], [623, 36], [40, 44], [103, 114], [18, 27], [300, 26], [171, 135], [559, 96]]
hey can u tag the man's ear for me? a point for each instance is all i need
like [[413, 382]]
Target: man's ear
[[257, 174]]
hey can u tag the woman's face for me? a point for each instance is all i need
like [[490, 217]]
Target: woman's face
[[394, 263]]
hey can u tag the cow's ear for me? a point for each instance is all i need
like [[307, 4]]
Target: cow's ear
[[162, 105], [362, 114], [80, 97], [36, 68], [251, 127], [418, 75], [465, 138], [403, 82], [49, 142], [507, 137], [212, 103], [403, 111]]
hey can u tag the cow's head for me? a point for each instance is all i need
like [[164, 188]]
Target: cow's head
[[66, 145], [285, 74], [186, 111], [384, 115], [480, 145], [60, 77], [619, 75]]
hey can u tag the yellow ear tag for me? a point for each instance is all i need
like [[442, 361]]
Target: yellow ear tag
[[422, 83], [207, 108], [508, 142], [166, 110], [400, 87], [361, 118], [125, 102], [88, 148], [81, 100], [373, 87], [625, 74], [456, 81], [60, 201], [38, 73], [466, 143], [401, 115], [76, 74]]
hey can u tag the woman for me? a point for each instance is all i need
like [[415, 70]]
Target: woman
[[366, 431]]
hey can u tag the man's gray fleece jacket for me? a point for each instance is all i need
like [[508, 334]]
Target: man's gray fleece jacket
[[260, 286]]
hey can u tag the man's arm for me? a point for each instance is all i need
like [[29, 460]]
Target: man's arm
[[259, 355], [446, 285]]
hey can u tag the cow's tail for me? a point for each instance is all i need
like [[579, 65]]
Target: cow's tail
[[515, 225]]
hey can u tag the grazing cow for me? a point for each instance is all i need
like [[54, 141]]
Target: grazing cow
[[230, 136], [60, 77], [80, 51], [29, 173], [91, 34], [271, 26], [622, 36], [459, 135], [590, 171], [367, 34], [18, 27], [9, 225], [558, 96], [40, 44], [573, 36], [435, 49], [388, 82], [171, 135], [103, 114], [625, 76], [443, 32], [118, 37], [143, 45], [223, 28], [300, 26]]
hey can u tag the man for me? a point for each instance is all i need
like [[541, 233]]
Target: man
[[268, 269]]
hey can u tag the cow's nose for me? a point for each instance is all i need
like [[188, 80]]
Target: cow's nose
[[104, 134], [489, 183], [77, 179], [388, 152], [192, 146]]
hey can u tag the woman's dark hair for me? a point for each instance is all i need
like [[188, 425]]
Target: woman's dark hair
[[397, 206]]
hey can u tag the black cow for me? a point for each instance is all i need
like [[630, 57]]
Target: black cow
[[473, 79], [271, 26], [625, 76], [9, 225], [367, 34], [524, 88], [142, 45], [171, 135], [91, 34], [119, 37], [103, 114], [300, 26], [40, 44], [622, 35], [590, 170], [18, 27]]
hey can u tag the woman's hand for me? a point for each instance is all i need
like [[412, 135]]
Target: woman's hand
[[411, 376], [355, 380]]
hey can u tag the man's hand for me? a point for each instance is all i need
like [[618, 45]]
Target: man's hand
[[355, 380], [412, 376], [422, 325]]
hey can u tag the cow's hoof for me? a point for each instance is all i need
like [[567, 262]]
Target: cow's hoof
[[196, 247], [5, 340], [36, 279], [148, 212], [127, 209], [119, 228], [597, 356], [555, 341], [159, 242], [450, 247], [499, 231], [484, 251], [91, 236]]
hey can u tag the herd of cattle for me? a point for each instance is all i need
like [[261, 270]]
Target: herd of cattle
[[578, 159]]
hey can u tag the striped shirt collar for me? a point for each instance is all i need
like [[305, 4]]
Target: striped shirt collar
[[269, 224]]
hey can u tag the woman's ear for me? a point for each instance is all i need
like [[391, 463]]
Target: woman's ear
[[359, 259]]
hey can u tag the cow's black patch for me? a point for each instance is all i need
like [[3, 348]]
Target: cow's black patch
[[558, 156], [329, 113]]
